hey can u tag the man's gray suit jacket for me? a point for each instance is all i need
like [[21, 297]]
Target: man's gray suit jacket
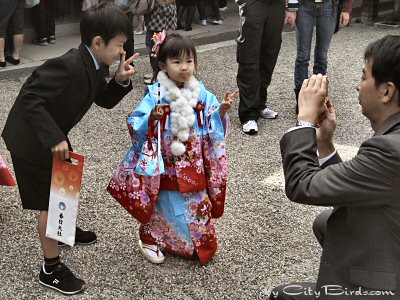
[[362, 241]]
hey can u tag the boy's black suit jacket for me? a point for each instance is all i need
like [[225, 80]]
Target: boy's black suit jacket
[[362, 239], [53, 100]]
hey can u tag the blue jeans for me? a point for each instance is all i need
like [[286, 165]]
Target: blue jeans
[[323, 15]]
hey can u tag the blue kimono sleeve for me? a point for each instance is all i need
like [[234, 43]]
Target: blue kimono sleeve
[[213, 126], [138, 120]]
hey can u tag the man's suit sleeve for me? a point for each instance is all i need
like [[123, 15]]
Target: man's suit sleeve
[[111, 94], [48, 82], [367, 179]]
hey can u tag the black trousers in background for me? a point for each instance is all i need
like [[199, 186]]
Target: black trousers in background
[[222, 3], [201, 6], [43, 18], [258, 47], [129, 45]]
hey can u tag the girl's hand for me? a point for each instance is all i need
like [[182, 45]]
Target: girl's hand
[[226, 104], [157, 112]]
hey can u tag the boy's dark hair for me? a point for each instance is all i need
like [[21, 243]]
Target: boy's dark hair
[[385, 57], [105, 20], [174, 46]]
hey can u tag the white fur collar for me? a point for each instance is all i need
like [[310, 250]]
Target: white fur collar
[[182, 102]]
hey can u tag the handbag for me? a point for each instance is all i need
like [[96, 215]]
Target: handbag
[[150, 162], [339, 11], [141, 7], [66, 183], [31, 3]]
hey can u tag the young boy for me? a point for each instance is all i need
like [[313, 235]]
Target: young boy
[[51, 102]]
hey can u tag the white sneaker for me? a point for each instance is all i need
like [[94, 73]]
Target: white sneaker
[[203, 22], [138, 31], [217, 22], [267, 113], [250, 127]]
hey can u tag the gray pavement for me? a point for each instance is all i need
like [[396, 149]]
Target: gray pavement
[[264, 239]]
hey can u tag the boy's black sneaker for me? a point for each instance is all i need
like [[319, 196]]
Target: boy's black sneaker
[[82, 237], [62, 280]]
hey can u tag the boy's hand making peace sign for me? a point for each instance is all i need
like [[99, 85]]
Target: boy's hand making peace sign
[[226, 104], [125, 69]]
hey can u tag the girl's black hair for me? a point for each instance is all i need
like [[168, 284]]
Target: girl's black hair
[[174, 46]]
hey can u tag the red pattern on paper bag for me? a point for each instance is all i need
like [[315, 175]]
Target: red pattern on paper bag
[[5, 175]]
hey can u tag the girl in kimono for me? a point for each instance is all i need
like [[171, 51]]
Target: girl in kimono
[[176, 205]]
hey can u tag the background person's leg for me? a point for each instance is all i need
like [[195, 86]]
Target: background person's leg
[[271, 45], [201, 6], [191, 9], [129, 45], [2, 58], [304, 34], [325, 26], [248, 58], [50, 19], [38, 18]]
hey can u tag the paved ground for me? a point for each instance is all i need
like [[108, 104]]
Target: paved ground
[[264, 239]]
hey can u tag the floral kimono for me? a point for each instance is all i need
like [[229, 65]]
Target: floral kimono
[[176, 208]]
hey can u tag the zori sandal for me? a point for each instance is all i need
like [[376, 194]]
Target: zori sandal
[[151, 252]]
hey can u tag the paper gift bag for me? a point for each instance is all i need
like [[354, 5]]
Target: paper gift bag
[[66, 181], [5, 175]]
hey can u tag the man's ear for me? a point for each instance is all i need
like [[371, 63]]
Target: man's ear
[[162, 66], [388, 92], [97, 41]]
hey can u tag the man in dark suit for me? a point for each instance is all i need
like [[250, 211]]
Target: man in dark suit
[[51, 102], [361, 235]]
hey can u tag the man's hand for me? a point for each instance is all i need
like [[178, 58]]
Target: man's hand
[[312, 98], [226, 104], [326, 129], [290, 18], [344, 19], [61, 150], [125, 70]]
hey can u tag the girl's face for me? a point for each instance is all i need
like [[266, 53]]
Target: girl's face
[[179, 69]]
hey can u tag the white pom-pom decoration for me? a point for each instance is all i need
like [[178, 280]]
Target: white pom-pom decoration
[[182, 102], [177, 148]]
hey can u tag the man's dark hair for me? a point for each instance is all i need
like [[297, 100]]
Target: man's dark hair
[[105, 20], [385, 57]]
